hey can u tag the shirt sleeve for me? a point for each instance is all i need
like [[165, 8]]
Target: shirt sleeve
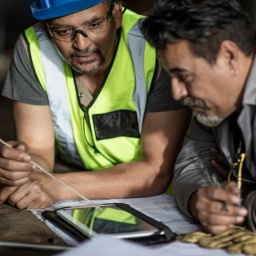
[[21, 83], [192, 169], [160, 95]]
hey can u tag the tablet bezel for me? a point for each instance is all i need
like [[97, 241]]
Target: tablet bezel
[[64, 214]]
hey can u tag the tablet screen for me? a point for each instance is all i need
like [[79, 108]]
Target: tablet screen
[[110, 219]]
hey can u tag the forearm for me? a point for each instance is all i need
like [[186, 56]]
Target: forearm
[[193, 165], [134, 179], [42, 162], [36, 132], [192, 205]]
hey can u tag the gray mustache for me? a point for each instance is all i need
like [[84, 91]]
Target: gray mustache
[[81, 53], [193, 102]]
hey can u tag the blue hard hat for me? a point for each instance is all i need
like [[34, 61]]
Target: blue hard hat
[[50, 9]]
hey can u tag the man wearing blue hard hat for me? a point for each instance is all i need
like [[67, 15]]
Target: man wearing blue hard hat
[[86, 85]]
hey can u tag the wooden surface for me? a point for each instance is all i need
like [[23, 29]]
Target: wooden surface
[[22, 227]]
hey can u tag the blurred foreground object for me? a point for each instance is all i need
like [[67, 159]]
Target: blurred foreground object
[[235, 240]]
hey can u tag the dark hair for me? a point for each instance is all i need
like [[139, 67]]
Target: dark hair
[[112, 3], [203, 23]]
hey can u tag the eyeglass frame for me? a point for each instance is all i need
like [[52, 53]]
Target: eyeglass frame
[[75, 31]]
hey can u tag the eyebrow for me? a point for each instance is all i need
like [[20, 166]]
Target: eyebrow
[[177, 70], [95, 18]]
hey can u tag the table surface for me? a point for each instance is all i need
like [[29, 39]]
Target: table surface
[[20, 230]]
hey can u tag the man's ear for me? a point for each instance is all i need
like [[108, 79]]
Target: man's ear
[[118, 14], [230, 52]]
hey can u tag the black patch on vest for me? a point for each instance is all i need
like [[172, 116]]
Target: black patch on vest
[[116, 124]]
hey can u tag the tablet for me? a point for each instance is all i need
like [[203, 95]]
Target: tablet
[[118, 220]]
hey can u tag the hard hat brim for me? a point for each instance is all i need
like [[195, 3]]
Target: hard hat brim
[[62, 10]]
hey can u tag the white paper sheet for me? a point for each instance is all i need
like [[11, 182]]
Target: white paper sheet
[[106, 245]]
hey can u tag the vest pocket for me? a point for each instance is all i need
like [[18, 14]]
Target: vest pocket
[[116, 124]]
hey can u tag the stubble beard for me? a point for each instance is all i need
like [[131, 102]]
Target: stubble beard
[[204, 119], [95, 68], [210, 121]]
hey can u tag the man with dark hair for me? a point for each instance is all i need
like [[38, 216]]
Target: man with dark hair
[[208, 47], [85, 79]]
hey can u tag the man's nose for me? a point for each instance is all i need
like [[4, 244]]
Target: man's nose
[[79, 31], [81, 39], [178, 89]]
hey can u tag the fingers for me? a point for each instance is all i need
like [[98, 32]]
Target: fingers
[[17, 151], [231, 187], [222, 219], [15, 166], [11, 178], [25, 195], [223, 225], [20, 146], [29, 195], [221, 194], [216, 230], [6, 192], [217, 208]]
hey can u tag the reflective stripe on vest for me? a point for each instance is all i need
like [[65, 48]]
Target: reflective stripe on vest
[[55, 80], [137, 45]]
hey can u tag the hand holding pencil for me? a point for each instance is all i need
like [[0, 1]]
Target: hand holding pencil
[[217, 207]]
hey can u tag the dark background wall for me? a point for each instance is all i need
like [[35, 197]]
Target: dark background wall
[[250, 7], [15, 16]]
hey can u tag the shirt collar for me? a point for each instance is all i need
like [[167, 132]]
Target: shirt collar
[[249, 97]]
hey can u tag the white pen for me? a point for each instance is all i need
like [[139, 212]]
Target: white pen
[[52, 176]]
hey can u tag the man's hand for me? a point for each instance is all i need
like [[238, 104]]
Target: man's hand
[[216, 207], [15, 166], [31, 195]]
